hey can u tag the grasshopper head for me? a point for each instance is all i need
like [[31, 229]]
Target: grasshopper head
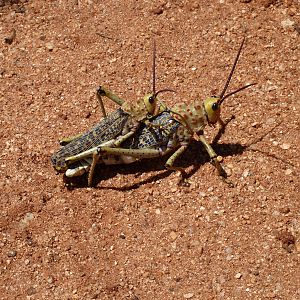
[[212, 109], [150, 102]]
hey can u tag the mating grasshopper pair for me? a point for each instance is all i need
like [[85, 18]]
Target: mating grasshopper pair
[[112, 131], [151, 130]]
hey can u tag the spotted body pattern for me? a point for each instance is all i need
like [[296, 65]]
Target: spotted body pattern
[[193, 119]]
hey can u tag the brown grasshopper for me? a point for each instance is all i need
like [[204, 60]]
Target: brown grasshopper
[[187, 123]]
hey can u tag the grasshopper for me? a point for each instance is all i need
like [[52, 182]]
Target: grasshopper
[[177, 128], [114, 129]]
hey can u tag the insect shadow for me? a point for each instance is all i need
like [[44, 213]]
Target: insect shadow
[[195, 156]]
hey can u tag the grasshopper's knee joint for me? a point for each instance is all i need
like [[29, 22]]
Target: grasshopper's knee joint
[[101, 91], [219, 158], [98, 151]]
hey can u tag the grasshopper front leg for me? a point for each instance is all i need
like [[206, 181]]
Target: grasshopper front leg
[[212, 154], [222, 128], [102, 91]]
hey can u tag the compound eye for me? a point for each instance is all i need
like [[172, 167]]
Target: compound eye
[[215, 106], [151, 99]]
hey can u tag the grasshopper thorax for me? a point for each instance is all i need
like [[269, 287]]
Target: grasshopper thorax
[[212, 109], [142, 109]]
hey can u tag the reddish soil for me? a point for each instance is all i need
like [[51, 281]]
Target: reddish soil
[[138, 234]]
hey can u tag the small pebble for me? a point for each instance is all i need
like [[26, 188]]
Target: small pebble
[[10, 38], [228, 250], [31, 291], [12, 253], [188, 296], [246, 173], [238, 275], [173, 235], [287, 239], [284, 210], [50, 280], [251, 189], [214, 198], [287, 23], [49, 46], [122, 236], [228, 171], [83, 69], [270, 121], [24, 222], [174, 189], [285, 146], [157, 211], [297, 246], [255, 124], [288, 172], [157, 10], [195, 243]]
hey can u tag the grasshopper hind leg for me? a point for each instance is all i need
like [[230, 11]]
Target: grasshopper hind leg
[[79, 168]]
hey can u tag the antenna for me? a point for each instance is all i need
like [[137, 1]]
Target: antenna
[[236, 91], [154, 74], [231, 72], [153, 67], [164, 90]]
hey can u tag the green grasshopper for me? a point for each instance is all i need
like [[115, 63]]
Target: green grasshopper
[[181, 125], [114, 129]]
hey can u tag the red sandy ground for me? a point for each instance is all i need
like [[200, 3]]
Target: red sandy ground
[[137, 234]]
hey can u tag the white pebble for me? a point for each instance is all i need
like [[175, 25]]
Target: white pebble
[[188, 296], [287, 23], [285, 146]]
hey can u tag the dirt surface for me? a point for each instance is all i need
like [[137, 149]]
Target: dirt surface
[[137, 234]]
